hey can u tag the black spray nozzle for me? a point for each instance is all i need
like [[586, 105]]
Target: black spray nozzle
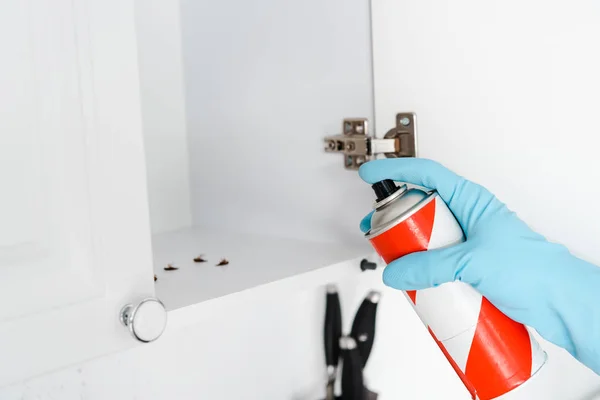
[[384, 189]]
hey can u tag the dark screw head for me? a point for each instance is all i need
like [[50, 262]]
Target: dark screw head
[[366, 264]]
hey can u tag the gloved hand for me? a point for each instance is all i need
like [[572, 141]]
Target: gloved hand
[[530, 279]]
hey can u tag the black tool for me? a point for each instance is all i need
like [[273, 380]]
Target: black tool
[[353, 387], [363, 326], [332, 333]]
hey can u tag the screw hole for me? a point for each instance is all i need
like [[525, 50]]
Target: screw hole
[[348, 127]]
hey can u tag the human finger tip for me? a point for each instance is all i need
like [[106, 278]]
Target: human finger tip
[[373, 171], [405, 273], [365, 224], [398, 169], [394, 277]]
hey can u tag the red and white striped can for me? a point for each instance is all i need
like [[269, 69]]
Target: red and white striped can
[[491, 353]]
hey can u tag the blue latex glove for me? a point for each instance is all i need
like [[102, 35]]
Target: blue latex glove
[[530, 279]]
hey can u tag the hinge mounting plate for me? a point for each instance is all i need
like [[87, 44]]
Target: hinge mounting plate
[[358, 147]]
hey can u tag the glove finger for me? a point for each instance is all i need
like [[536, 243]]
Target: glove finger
[[418, 171], [427, 269], [365, 224], [468, 201]]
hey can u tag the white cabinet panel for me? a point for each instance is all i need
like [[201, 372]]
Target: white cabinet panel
[[507, 94], [46, 243], [265, 81], [163, 113], [74, 235]]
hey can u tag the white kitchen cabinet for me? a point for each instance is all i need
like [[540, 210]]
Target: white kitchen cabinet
[[133, 138], [76, 225]]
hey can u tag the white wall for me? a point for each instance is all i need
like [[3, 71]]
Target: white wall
[[163, 110], [266, 80]]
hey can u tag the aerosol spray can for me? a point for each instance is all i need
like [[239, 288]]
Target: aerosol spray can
[[491, 353]]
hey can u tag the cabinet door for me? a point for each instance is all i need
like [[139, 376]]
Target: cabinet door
[[507, 94], [74, 234]]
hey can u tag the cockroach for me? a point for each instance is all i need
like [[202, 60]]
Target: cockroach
[[199, 259], [222, 262], [170, 267], [155, 278]]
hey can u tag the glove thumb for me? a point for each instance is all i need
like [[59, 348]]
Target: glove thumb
[[427, 269]]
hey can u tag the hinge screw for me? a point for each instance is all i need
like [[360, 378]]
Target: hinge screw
[[350, 146], [404, 121]]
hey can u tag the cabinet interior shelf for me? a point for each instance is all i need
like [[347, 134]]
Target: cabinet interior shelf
[[254, 261]]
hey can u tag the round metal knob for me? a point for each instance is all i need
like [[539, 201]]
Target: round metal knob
[[145, 321]]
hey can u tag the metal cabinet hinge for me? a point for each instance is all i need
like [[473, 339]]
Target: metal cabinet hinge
[[358, 146]]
